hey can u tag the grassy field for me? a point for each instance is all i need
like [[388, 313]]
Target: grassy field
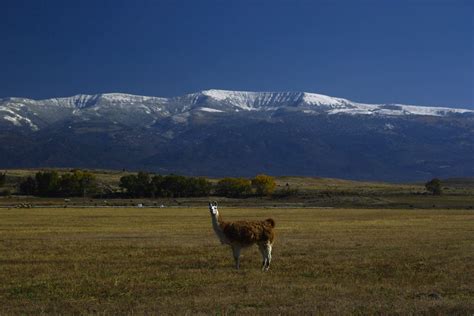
[[149, 260]]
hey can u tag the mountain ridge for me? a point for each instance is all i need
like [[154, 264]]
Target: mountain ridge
[[235, 133], [222, 95], [25, 112]]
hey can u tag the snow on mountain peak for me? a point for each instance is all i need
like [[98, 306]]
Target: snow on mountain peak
[[136, 109], [250, 101], [221, 95], [255, 100], [123, 97], [321, 99]]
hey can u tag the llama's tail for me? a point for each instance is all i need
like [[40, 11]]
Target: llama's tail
[[270, 222]]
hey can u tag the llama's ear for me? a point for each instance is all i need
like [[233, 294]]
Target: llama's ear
[[215, 203]]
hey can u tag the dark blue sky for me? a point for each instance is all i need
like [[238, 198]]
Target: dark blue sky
[[418, 52]]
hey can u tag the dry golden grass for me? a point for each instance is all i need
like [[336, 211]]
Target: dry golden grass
[[110, 261], [332, 184]]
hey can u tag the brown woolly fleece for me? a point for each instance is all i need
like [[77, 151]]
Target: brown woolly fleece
[[247, 233]]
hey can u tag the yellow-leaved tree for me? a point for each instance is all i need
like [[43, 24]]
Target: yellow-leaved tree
[[263, 184]]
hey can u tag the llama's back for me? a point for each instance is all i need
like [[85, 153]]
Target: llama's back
[[248, 232]]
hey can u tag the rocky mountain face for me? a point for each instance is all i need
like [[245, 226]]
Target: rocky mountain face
[[234, 133]]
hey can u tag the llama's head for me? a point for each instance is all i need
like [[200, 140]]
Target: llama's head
[[213, 208]]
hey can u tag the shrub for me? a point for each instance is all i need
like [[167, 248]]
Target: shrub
[[434, 186], [3, 177], [263, 184], [28, 186], [128, 183]]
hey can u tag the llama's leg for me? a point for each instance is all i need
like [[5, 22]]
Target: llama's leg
[[268, 252], [261, 247], [236, 253]]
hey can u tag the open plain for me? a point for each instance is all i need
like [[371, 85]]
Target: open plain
[[168, 260]]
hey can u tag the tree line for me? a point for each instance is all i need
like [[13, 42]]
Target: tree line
[[79, 183], [51, 184], [146, 185]]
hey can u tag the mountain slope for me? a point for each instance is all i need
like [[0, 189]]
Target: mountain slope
[[218, 132]]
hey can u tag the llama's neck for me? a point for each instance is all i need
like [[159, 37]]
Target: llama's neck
[[216, 225]]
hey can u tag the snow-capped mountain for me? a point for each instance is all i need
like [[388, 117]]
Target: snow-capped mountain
[[35, 114], [219, 132]]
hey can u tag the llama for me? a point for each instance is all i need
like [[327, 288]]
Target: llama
[[242, 234]]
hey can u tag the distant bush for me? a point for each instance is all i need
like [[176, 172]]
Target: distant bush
[[28, 186], [434, 186], [3, 177], [263, 184], [234, 187]]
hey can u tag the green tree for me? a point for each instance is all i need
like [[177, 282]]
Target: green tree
[[156, 184], [195, 187], [87, 182], [47, 183], [28, 186], [174, 186], [3, 177], [263, 184], [143, 186], [179, 186], [75, 183], [78, 183], [69, 185], [129, 184], [137, 185], [199, 187], [434, 186], [234, 187]]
